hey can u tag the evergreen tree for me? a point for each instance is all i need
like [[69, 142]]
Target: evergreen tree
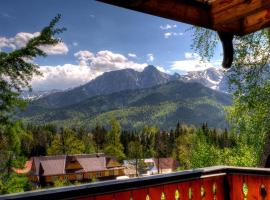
[[66, 142], [135, 152], [113, 145], [15, 74], [148, 140], [99, 137]]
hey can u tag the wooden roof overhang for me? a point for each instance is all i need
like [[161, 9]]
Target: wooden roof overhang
[[227, 17]]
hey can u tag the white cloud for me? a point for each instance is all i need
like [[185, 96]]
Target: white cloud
[[75, 44], [21, 39], [150, 57], [62, 77], [84, 57], [189, 55], [132, 55], [4, 42], [6, 15], [190, 65], [168, 26], [60, 48], [90, 66], [104, 61], [170, 34], [162, 69], [192, 62]]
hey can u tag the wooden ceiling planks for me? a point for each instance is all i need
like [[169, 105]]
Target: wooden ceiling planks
[[238, 17], [187, 11], [227, 17], [242, 12], [256, 21]]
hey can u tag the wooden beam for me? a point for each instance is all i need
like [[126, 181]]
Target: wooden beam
[[238, 17], [234, 28], [187, 11], [227, 11], [256, 22]]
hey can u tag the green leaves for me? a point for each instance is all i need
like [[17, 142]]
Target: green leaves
[[66, 142], [17, 68], [204, 42], [249, 79], [113, 146], [16, 71]]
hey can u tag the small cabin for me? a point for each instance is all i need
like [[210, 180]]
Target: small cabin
[[45, 170]]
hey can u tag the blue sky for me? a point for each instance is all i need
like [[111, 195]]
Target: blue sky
[[99, 38]]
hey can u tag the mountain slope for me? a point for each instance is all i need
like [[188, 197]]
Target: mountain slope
[[110, 82], [213, 78], [163, 105]]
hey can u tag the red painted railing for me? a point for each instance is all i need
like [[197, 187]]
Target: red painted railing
[[215, 183]]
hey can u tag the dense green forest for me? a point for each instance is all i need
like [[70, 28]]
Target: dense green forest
[[191, 147]]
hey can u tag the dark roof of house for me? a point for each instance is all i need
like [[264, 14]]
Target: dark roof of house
[[56, 165], [166, 163]]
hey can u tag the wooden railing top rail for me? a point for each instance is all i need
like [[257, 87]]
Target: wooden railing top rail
[[114, 186]]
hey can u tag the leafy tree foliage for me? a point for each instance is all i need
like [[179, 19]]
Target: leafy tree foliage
[[135, 152], [99, 136], [113, 146], [66, 142], [249, 82], [16, 71]]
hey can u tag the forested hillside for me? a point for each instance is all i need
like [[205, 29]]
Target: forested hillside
[[162, 105]]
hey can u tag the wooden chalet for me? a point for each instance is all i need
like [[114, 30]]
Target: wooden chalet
[[45, 170], [165, 165]]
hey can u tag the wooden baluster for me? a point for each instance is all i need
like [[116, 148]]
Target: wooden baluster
[[189, 193], [214, 190], [245, 190], [163, 197], [202, 192], [263, 191], [131, 196], [177, 194]]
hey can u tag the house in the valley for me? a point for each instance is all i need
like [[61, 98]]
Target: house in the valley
[[151, 166], [45, 170], [160, 165]]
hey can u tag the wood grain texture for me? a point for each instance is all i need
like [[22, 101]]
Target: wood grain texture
[[239, 17]]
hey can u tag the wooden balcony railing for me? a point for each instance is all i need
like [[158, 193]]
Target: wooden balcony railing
[[213, 183]]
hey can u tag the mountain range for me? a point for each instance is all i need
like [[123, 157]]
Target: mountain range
[[136, 98], [126, 79]]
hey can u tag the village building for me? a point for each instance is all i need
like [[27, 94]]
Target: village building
[[151, 166], [44, 170]]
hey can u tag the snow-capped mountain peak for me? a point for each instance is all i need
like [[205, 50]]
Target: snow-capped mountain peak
[[211, 77]]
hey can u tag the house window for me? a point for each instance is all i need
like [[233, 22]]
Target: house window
[[54, 178], [90, 175], [98, 174], [79, 177], [115, 172], [111, 173]]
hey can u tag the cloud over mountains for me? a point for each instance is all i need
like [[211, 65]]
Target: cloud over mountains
[[21, 38], [89, 66]]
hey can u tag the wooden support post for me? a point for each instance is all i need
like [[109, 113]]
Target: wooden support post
[[227, 44]]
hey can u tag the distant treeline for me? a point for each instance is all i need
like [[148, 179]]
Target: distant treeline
[[190, 146]]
